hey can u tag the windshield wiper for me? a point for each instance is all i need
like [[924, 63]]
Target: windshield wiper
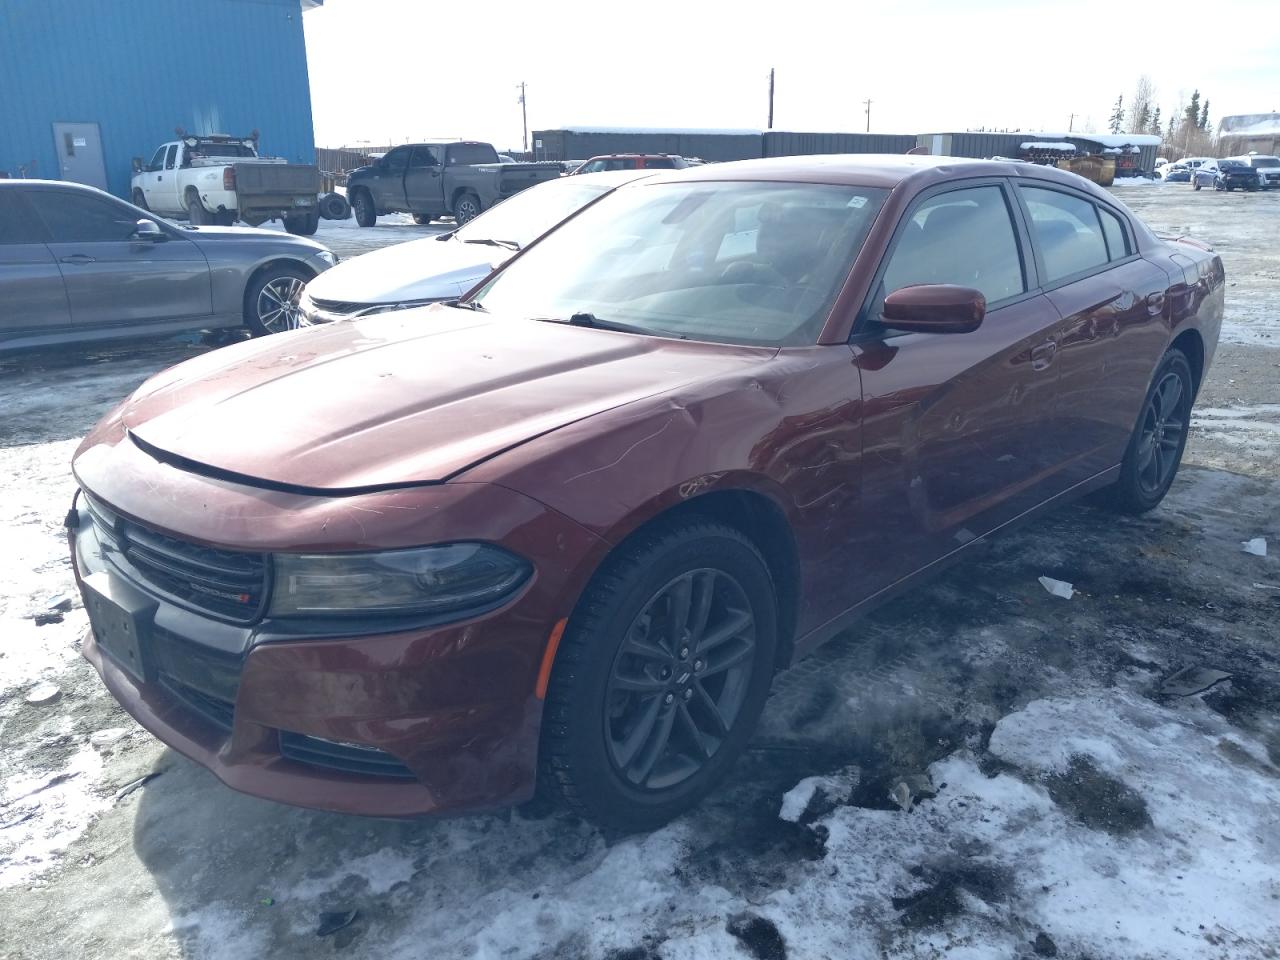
[[591, 320], [468, 305], [505, 244]]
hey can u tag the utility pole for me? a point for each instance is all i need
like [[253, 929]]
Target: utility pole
[[524, 117], [771, 98], [1071, 124], [868, 103]]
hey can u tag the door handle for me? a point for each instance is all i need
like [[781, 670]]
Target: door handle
[[159, 178], [1042, 355], [78, 258]]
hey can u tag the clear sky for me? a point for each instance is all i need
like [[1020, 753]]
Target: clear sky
[[394, 70]]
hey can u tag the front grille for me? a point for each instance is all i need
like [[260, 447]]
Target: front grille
[[339, 307], [346, 757], [230, 584], [218, 712]]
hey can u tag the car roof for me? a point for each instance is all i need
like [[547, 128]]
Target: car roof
[[32, 184], [613, 178], [868, 170], [628, 156]]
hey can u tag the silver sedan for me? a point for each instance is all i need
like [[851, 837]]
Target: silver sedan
[[77, 264]]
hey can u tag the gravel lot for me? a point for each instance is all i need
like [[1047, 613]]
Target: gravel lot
[[1067, 794]]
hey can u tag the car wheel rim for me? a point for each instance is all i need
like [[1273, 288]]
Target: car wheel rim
[[466, 210], [1163, 425], [278, 305], [679, 679]]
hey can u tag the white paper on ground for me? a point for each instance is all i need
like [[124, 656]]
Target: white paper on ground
[[1058, 587], [1257, 546]]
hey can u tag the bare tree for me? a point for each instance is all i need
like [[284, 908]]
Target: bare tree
[[1144, 95]]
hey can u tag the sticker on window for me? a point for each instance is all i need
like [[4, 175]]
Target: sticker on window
[[857, 202]]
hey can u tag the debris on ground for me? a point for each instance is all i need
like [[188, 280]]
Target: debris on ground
[[1058, 588], [911, 789], [1257, 546], [133, 785], [758, 936], [43, 693], [1192, 680], [1044, 946], [333, 921]]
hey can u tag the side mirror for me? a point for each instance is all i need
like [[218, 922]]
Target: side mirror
[[137, 164], [934, 308], [147, 230]]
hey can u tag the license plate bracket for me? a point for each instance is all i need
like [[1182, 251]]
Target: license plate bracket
[[121, 619]]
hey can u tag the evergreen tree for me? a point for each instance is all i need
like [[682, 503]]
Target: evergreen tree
[[1192, 114], [1204, 115], [1154, 126], [1141, 118], [1117, 115]]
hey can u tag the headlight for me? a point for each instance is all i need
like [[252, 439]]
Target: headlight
[[327, 257], [425, 580]]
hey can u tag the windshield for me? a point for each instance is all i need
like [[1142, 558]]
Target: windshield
[[1266, 161], [531, 213], [752, 263]]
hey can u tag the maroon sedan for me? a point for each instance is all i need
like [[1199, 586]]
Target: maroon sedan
[[566, 531]]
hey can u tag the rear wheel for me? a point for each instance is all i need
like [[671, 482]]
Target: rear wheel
[[197, 215], [366, 213], [271, 302], [661, 676], [302, 224], [421, 218], [467, 207], [224, 218], [1155, 449]]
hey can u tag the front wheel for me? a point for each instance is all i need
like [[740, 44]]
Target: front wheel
[[1195, 184], [661, 675], [271, 302], [466, 208], [1155, 449], [362, 204], [421, 219], [140, 200]]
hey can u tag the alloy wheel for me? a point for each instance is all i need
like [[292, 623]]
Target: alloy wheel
[[278, 305], [679, 679], [1163, 426]]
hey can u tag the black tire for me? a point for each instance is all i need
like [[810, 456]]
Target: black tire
[[466, 208], [260, 309], [595, 697], [140, 200], [334, 206], [362, 205], [421, 219], [1195, 184], [303, 224], [197, 215], [1140, 488], [225, 218]]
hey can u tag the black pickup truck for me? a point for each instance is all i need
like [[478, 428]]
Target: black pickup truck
[[432, 180]]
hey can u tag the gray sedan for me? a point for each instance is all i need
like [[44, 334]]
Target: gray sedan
[[77, 264]]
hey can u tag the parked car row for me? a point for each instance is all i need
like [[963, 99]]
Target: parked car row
[[1250, 172], [562, 530]]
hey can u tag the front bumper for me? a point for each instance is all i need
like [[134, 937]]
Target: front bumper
[[426, 720]]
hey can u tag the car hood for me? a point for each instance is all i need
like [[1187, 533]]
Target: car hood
[[218, 234], [400, 398], [426, 269]]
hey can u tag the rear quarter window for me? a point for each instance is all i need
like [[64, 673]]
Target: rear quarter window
[[1067, 230]]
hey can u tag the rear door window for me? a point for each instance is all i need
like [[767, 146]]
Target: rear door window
[[1067, 230], [962, 237], [659, 163], [468, 153]]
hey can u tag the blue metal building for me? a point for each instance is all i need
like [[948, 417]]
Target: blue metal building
[[86, 85]]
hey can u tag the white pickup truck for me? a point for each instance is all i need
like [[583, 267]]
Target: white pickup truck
[[218, 179]]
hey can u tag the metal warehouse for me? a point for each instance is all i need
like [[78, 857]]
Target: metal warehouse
[[583, 143], [89, 85]]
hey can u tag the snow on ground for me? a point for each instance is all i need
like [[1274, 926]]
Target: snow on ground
[[1058, 797]]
